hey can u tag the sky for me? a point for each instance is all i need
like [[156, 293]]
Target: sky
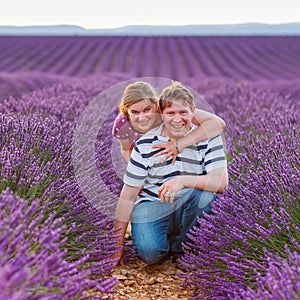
[[92, 14]]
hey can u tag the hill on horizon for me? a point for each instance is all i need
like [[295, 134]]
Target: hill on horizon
[[249, 29]]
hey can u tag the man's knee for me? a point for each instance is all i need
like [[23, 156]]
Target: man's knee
[[150, 256], [151, 253], [206, 198], [202, 199]]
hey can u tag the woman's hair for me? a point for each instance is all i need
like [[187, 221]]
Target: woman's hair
[[176, 91], [135, 92]]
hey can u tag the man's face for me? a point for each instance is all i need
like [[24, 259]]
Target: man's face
[[177, 119]]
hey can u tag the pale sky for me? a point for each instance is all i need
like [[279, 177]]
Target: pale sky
[[113, 13]]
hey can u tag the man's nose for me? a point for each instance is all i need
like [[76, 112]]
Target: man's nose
[[177, 118]]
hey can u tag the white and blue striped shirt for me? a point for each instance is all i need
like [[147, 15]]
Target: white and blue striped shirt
[[146, 170]]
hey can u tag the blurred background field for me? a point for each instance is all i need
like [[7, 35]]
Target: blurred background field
[[237, 58]]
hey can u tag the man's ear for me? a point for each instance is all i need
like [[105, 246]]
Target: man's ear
[[193, 112], [157, 107]]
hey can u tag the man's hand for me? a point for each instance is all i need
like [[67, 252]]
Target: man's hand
[[119, 255], [167, 191], [121, 227]]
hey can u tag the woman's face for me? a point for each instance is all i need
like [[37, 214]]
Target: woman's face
[[143, 115]]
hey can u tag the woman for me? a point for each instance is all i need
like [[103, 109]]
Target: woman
[[139, 114]]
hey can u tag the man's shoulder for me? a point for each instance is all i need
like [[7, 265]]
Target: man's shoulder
[[215, 140], [207, 145], [150, 136]]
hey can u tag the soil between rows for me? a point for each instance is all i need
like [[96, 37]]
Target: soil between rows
[[138, 280]]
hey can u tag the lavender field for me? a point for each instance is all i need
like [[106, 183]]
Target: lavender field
[[55, 244]]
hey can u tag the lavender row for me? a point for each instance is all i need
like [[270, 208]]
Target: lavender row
[[19, 83], [53, 95], [33, 262], [36, 161], [248, 58], [255, 225]]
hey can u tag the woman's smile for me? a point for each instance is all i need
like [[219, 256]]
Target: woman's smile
[[143, 115]]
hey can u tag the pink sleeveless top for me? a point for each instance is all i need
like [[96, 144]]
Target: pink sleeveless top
[[123, 130]]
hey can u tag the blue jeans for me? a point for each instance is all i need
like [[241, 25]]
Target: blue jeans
[[159, 229]]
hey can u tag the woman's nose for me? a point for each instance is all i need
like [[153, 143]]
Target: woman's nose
[[141, 116]]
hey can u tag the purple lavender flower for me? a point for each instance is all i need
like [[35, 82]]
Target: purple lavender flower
[[33, 264], [281, 279]]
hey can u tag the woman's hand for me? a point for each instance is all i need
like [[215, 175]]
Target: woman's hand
[[169, 149], [167, 191]]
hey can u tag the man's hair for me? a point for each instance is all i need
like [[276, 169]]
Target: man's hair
[[136, 92], [176, 91]]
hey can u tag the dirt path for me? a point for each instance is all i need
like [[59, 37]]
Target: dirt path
[[138, 281]]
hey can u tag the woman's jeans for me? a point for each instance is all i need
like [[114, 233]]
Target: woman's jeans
[[158, 229]]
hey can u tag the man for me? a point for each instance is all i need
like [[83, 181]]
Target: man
[[172, 195]]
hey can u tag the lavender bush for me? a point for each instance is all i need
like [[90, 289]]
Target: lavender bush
[[36, 161], [33, 264], [259, 213], [281, 280]]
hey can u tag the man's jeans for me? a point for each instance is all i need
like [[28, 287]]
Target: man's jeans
[[158, 229]]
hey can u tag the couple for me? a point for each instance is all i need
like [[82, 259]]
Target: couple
[[176, 163]]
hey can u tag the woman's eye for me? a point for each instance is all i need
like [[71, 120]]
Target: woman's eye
[[183, 113], [134, 112], [147, 109], [170, 114]]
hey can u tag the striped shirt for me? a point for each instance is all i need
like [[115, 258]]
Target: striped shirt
[[146, 170]]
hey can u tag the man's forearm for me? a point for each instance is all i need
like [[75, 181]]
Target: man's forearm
[[215, 183], [123, 213], [125, 205], [207, 130], [124, 210], [121, 226]]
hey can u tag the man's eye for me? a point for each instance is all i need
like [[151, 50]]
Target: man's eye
[[134, 112], [147, 109], [183, 113], [170, 114]]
